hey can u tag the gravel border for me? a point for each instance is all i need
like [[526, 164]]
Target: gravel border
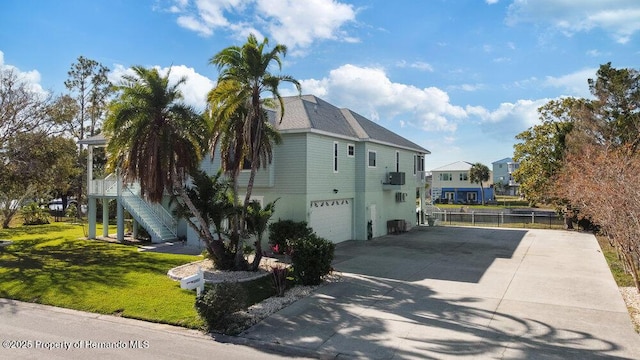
[[632, 299], [213, 276], [256, 312]]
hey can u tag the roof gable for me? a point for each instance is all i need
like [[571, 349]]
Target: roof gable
[[310, 113], [456, 166]]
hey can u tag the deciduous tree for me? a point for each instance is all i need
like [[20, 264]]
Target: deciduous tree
[[602, 166], [22, 108], [542, 147], [32, 166]]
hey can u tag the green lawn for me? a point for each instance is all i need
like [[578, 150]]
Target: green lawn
[[50, 264], [502, 202], [623, 279]]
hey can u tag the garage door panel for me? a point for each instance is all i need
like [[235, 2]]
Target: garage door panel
[[332, 219]]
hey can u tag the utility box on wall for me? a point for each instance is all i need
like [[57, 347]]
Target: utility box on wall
[[401, 197], [396, 178]]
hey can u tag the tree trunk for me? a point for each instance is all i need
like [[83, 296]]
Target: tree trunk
[[214, 247], [255, 265], [482, 192], [237, 225]]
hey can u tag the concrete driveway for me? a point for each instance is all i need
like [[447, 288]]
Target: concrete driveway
[[446, 292]]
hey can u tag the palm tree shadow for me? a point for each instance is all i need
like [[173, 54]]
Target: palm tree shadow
[[377, 318], [383, 308]]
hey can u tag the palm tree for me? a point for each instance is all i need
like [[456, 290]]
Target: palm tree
[[244, 77], [257, 219], [212, 197], [240, 123], [157, 140], [479, 173]]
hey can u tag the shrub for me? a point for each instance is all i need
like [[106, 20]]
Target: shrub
[[283, 232], [311, 258], [34, 214], [72, 211], [279, 279], [217, 305]]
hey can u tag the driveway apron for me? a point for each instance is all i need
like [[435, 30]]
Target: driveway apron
[[448, 292]]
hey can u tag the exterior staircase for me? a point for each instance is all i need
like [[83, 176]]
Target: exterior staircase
[[158, 222]]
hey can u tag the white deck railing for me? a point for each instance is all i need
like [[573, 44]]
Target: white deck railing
[[104, 187]]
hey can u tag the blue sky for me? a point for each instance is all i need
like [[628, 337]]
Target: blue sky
[[459, 77]]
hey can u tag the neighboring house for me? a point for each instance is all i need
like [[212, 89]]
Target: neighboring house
[[451, 184], [343, 174], [503, 174]]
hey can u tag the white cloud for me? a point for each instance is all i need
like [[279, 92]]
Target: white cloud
[[620, 18], [193, 24], [594, 53], [194, 90], [31, 78], [371, 93], [502, 59], [420, 65], [508, 119], [491, 2], [468, 87], [299, 23], [574, 84], [296, 24], [523, 112]]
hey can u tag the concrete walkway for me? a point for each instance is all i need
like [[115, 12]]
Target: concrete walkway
[[446, 292]]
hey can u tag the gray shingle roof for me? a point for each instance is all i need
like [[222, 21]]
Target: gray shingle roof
[[309, 113]]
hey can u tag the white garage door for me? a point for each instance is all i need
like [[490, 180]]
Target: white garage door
[[332, 219]]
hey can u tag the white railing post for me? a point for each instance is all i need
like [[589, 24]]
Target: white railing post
[[533, 217], [473, 218]]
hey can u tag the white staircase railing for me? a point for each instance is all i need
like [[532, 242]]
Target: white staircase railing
[[153, 217]]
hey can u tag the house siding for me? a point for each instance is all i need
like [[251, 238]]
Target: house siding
[[384, 201], [322, 180]]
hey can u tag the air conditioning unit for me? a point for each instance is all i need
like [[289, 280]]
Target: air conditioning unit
[[396, 178]]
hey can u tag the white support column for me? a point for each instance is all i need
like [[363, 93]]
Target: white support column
[[135, 229], [92, 217], [89, 171], [120, 209], [105, 217]]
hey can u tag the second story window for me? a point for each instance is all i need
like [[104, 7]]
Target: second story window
[[372, 158], [397, 161], [464, 177], [445, 177], [335, 157], [351, 150], [418, 163]]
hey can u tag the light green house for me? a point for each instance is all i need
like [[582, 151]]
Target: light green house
[[346, 176]]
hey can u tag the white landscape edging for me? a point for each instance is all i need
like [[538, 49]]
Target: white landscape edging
[[230, 276]]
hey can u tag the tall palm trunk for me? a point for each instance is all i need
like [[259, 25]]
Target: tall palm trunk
[[214, 247]]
